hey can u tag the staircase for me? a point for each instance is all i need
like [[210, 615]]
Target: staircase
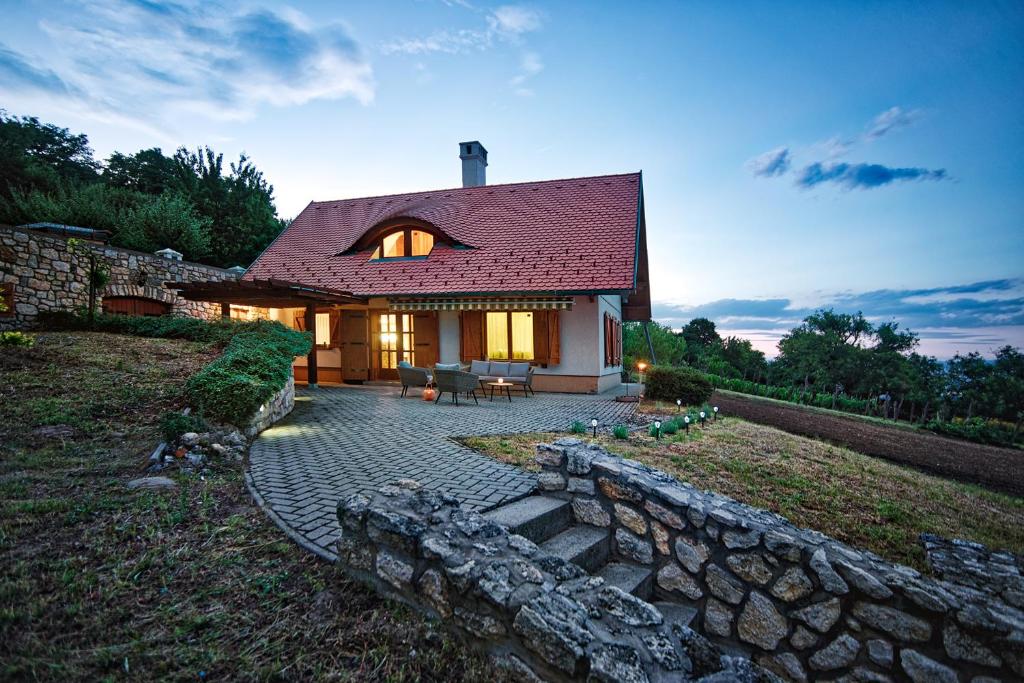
[[549, 523]]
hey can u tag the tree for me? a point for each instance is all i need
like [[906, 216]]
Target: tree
[[166, 220], [42, 156], [669, 348], [743, 358], [147, 171], [1007, 386], [968, 377], [826, 348]]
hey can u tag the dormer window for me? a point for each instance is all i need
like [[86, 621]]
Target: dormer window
[[403, 243]]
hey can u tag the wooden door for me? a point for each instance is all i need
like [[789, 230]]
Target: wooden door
[[355, 352], [134, 305], [425, 339], [393, 338]]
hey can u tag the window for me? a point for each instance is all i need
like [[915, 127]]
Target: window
[[403, 243], [397, 341], [510, 331], [323, 329]]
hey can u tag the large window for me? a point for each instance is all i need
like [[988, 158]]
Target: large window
[[403, 243], [510, 332], [397, 341], [323, 329]]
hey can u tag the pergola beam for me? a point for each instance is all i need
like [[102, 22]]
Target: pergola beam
[[272, 293]]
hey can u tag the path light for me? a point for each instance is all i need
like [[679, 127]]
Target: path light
[[716, 413], [593, 425], [657, 429], [686, 423], [702, 416], [679, 405], [641, 366]]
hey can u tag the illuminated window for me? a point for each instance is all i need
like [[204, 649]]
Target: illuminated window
[[403, 242], [510, 331], [397, 340], [323, 329]]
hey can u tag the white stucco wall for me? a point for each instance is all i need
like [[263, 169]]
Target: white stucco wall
[[448, 336]]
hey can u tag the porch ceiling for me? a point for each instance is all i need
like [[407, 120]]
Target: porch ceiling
[[271, 293]]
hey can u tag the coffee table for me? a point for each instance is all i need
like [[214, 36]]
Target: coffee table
[[506, 385]]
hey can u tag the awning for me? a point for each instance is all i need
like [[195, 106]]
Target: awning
[[264, 293], [497, 304]]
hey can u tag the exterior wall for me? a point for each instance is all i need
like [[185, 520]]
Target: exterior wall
[[448, 333], [47, 276]]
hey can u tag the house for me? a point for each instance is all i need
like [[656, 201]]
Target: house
[[544, 272]]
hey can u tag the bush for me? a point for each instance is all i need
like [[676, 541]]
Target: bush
[[667, 383], [975, 429], [620, 432], [577, 427], [16, 339], [174, 424], [669, 427]]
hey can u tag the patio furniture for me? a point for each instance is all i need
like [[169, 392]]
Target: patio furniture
[[454, 381], [413, 377], [518, 374], [507, 386]]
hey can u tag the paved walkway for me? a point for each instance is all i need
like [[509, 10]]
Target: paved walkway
[[340, 441]]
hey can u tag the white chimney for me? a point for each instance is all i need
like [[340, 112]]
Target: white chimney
[[474, 163]]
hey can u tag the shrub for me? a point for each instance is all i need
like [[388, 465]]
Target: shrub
[[577, 427], [669, 427], [16, 339], [976, 429], [174, 424], [620, 432], [668, 383]]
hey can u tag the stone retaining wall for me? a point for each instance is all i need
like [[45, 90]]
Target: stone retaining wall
[[47, 276], [541, 617], [279, 405], [798, 602]]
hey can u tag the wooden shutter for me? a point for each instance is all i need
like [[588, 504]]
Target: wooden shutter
[[608, 352], [300, 320], [471, 335], [427, 349], [335, 330], [355, 353], [554, 338], [617, 341]]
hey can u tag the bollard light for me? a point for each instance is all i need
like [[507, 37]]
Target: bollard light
[[702, 416], [686, 424], [679, 404], [657, 429], [593, 425], [716, 412]]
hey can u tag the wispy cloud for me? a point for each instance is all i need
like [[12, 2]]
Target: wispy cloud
[[862, 176], [770, 164], [890, 120], [136, 57], [507, 23], [514, 19], [530, 65]]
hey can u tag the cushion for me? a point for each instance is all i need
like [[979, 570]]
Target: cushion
[[447, 366], [518, 369], [479, 367], [404, 364], [499, 369]]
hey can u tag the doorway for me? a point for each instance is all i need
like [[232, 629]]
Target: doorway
[[395, 335]]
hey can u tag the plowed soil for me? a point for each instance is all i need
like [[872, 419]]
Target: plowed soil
[[1001, 469]]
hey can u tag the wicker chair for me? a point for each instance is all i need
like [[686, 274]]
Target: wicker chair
[[454, 381], [413, 377]]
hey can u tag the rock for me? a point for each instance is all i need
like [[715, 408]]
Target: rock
[[740, 539], [717, 618], [786, 664], [760, 623], [616, 664], [664, 515], [481, 625], [723, 586], [579, 485], [696, 515], [960, 645], [578, 461], [924, 670], [54, 432], [550, 456], [589, 511], [522, 545], [189, 438], [830, 580], [783, 545], [864, 582], [673, 579], [618, 492], [792, 585], [633, 547], [837, 654], [749, 567], [660, 535], [235, 438], [393, 570], [556, 628], [631, 519], [894, 622], [550, 481], [691, 554], [803, 639], [821, 616], [432, 585], [494, 583], [152, 483], [880, 652], [663, 651]]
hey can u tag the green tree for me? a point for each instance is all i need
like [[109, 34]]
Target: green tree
[[1007, 386], [42, 156], [166, 220], [825, 350], [968, 383], [669, 348], [147, 171]]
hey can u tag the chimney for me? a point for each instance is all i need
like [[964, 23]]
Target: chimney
[[474, 163]]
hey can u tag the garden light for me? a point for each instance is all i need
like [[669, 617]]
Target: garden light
[[716, 412], [679, 404], [657, 429], [702, 416], [593, 425], [641, 366], [686, 423]]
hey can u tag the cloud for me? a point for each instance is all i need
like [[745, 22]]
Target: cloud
[[770, 164], [507, 23], [18, 74], [862, 176], [981, 315], [135, 57], [891, 119], [530, 65], [514, 20]]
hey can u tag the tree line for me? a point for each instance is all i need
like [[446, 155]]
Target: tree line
[[843, 361], [189, 201]]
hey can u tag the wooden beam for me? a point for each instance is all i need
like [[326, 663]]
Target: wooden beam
[[311, 358]]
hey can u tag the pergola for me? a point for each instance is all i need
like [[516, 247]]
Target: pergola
[[270, 293]]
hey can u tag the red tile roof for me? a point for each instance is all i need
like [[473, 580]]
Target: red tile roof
[[575, 235]]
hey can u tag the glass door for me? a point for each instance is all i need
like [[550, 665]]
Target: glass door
[[396, 342]]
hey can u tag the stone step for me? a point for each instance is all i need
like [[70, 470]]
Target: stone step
[[538, 518], [587, 546], [676, 613], [631, 578]]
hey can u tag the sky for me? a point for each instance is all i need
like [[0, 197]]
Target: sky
[[864, 156]]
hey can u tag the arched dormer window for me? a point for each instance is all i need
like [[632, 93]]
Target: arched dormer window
[[403, 242]]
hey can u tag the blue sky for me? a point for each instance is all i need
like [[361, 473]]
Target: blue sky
[[795, 155]]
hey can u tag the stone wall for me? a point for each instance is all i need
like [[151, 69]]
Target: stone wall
[[796, 601], [273, 410], [47, 276], [541, 617]]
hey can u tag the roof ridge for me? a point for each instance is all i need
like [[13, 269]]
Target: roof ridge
[[478, 187]]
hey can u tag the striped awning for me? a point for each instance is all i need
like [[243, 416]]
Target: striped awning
[[526, 304]]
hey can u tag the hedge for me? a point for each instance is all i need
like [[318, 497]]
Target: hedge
[[669, 383], [256, 362]]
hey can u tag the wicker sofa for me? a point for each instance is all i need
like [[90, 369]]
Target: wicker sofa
[[516, 374]]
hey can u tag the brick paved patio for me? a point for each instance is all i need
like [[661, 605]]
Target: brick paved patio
[[340, 441]]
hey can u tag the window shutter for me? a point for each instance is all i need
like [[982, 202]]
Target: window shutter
[[335, 340], [609, 353], [540, 338], [618, 342], [426, 339], [471, 335], [300, 321], [554, 338]]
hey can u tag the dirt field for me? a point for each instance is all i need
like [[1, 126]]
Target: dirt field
[[1000, 469]]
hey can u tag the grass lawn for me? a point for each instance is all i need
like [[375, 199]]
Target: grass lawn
[[864, 501], [101, 583]]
